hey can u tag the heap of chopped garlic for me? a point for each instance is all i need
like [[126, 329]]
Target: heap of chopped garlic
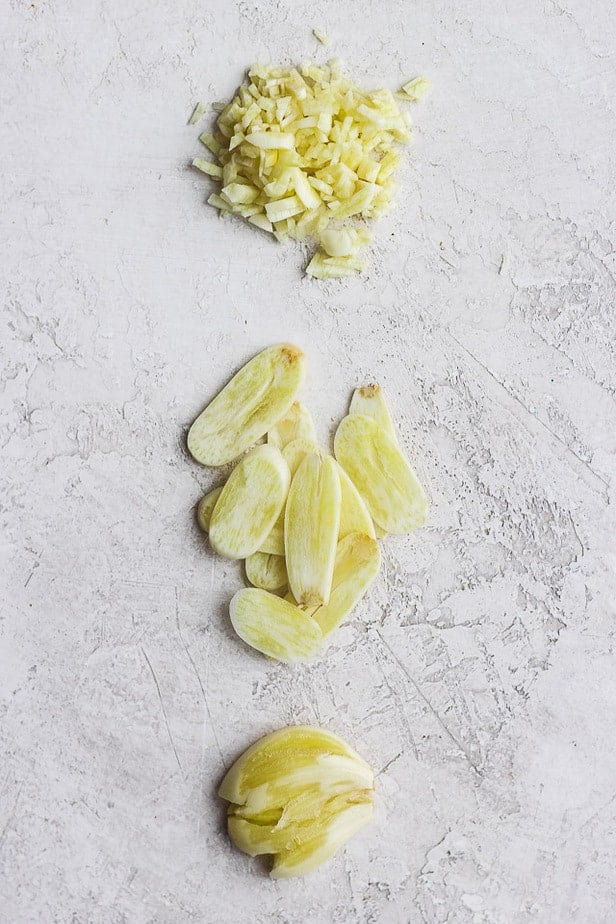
[[299, 151]]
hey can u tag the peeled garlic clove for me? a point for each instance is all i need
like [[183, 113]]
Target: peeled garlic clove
[[273, 544], [296, 424], [248, 406], [381, 474], [298, 794], [205, 509], [357, 564], [268, 572], [273, 626], [369, 400], [312, 521], [296, 451], [250, 503], [354, 515]]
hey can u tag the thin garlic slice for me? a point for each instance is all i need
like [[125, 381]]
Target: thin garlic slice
[[381, 474], [298, 794], [354, 515], [248, 406], [269, 572], [250, 503], [274, 627], [296, 424], [357, 564], [312, 521], [273, 544], [296, 451], [205, 509], [370, 401]]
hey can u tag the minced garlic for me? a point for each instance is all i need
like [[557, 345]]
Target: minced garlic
[[299, 151]]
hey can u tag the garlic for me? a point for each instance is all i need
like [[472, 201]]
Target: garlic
[[373, 461], [253, 401], [298, 794], [250, 503], [312, 521]]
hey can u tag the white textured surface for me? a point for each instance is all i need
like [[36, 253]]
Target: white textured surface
[[479, 675]]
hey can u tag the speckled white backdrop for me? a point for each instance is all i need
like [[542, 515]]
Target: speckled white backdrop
[[478, 677]]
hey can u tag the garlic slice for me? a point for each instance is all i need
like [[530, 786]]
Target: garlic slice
[[296, 424], [381, 474], [312, 521], [273, 544], [274, 627], [248, 406], [205, 508], [357, 564], [250, 503], [296, 451], [269, 572], [370, 401], [354, 515]]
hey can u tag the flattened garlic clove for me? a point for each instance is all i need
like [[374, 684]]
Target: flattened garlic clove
[[299, 794]]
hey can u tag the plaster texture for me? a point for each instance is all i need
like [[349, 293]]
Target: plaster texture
[[478, 676]]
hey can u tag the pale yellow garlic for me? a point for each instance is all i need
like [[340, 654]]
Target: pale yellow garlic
[[250, 503], [256, 397]]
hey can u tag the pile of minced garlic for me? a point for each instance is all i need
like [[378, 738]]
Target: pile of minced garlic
[[300, 151]]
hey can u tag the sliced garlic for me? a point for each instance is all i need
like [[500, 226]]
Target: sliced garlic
[[250, 503], [248, 406], [381, 474], [296, 424], [357, 564], [273, 544], [205, 509], [370, 401], [296, 451], [269, 572], [274, 627], [298, 794], [312, 521], [354, 515]]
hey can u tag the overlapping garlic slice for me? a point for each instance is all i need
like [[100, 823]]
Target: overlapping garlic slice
[[253, 401]]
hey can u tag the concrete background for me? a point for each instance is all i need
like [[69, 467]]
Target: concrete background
[[478, 677]]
